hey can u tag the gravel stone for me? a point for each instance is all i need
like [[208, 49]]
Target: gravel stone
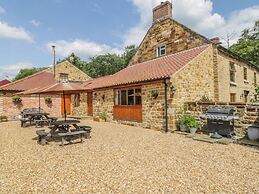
[[123, 159]]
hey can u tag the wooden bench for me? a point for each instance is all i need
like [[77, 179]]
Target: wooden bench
[[42, 137], [87, 129], [70, 135], [41, 122]]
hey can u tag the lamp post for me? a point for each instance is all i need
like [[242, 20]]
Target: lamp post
[[54, 60]]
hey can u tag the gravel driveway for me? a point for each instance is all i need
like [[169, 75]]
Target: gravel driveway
[[124, 159]]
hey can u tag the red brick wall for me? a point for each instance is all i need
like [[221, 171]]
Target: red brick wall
[[12, 110]]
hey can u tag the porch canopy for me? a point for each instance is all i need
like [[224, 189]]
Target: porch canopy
[[58, 88]]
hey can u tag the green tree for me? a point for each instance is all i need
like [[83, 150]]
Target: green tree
[[248, 44], [75, 60], [130, 51], [104, 65], [27, 72]]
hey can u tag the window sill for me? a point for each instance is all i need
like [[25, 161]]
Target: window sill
[[246, 82], [233, 84]]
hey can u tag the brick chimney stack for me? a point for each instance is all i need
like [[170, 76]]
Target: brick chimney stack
[[162, 11]]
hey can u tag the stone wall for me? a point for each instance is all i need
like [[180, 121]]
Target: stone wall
[[80, 110], [12, 110], [153, 108], [191, 83], [249, 113], [103, 103], [225, 87], [167, 32]]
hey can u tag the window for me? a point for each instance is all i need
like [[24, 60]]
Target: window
[[255, 79], [77, 100], [63, 77], [117, 97], [161, 51], [127, 97], [232, 72], [245, 73], [232, 97], [246, 93]]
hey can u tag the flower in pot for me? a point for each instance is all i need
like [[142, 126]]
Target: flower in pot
[[48, 99], [16, 99]]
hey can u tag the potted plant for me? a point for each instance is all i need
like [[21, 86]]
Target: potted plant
[[48, 99], [16, 99], [188, 123], [103, 117], [183, 120], [192, 124]]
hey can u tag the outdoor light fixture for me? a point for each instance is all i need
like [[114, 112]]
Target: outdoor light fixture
[[172, 90], [103, 97]]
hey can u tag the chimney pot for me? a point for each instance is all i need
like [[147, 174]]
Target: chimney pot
[[215, 40], [162, 11]]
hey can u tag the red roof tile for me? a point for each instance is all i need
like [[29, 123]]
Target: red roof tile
[[155, 69], [41, 79], [4, 82]]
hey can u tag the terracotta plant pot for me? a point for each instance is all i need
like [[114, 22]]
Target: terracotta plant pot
[[96, 119]]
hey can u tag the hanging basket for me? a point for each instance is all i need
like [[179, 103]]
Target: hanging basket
[[154, 94], [48, 100], [16, 99]]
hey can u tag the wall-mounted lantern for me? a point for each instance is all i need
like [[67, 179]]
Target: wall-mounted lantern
[[172, 90], [103, 97]]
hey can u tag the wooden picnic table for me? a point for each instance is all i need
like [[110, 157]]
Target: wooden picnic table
[[31, 117], [63, 125]]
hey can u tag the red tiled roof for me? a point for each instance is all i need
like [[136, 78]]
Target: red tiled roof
[[40, 79], [4, 82], [156, 69]]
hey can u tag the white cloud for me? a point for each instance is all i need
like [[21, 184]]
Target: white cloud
[[82, 48], [7, 31], [35, 23], [195, 14], [2, 10], [9, 71]]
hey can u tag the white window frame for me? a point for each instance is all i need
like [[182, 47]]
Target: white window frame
[[159, 49]]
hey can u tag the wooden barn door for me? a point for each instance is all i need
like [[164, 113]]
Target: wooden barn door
[[90, 103], [68, 104]]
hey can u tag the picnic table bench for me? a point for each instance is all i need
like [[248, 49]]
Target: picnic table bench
[[35, 116], [42, 137], [68, 136]]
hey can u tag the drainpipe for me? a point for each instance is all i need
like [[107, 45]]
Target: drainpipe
[[166, 114]]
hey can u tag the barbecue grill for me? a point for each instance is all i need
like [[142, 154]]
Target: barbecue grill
[[220, 120]]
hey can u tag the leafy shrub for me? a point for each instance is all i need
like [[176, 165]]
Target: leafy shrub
[[103, 116], [188, 120]]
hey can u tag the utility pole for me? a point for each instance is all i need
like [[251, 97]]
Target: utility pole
[[54, 60]]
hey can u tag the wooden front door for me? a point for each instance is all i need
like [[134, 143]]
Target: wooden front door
[[90, 103], [67, 104]]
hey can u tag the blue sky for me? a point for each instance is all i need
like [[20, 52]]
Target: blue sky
[[90, 27]]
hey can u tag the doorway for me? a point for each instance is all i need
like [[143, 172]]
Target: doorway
[[67, 104]]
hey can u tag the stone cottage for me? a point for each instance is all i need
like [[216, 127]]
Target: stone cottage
[[173, 65], [63, 71]]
